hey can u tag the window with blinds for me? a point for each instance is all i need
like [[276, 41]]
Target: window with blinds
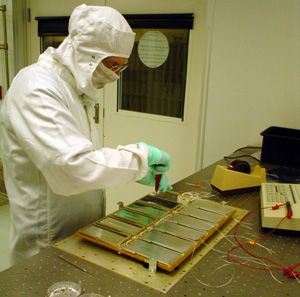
[[155, 80]]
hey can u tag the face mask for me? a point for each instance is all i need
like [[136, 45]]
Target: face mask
[[103, 75]]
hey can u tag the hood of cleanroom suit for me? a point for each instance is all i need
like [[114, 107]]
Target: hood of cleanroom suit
[[55, 168], [94, 34]]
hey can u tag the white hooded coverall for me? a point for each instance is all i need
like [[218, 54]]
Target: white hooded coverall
[[53, 164]]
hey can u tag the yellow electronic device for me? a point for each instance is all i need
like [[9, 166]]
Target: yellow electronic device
[[228, 181]]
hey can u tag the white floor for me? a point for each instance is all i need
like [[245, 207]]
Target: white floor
[[4, 233]]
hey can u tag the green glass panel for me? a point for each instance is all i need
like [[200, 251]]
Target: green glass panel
[[148, 209], [134, 217], [120, 226], [103, 235]]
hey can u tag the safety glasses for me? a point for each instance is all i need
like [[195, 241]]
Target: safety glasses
[[115, 67], [118, 68]]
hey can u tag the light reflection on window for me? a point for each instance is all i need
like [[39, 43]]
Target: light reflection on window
[[158, 90]]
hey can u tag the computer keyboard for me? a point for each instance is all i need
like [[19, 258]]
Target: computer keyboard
[[280, 193]]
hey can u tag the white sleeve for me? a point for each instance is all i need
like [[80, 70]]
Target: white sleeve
[[49, 134]]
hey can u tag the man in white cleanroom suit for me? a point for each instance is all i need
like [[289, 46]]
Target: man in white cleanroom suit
[[53, 162]]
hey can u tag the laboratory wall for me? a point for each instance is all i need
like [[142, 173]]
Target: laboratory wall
[[253, 73], [251, 79]]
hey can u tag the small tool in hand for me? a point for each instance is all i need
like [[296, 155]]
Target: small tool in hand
[[157, 180]]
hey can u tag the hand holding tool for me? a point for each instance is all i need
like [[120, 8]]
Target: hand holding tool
[[157, 180]]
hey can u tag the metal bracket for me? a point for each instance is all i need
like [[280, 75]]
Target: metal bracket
[[120, 204], [152, 265]]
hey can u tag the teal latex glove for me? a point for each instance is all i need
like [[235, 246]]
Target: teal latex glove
[[158, 160], [164, 184], [149, 180]]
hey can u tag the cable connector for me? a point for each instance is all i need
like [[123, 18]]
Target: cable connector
[[276, 206], [251, 242], [289, 210]]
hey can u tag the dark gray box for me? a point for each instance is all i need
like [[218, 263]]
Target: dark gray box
[[281, 146]]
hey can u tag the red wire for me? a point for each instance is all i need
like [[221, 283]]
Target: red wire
[[290, 273], [242, 246], [287, 271]]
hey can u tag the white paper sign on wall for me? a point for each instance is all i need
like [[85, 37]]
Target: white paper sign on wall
[[153, 48]]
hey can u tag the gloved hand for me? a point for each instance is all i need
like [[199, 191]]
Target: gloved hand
[[164, 184], [158, 160], [149, 180]]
